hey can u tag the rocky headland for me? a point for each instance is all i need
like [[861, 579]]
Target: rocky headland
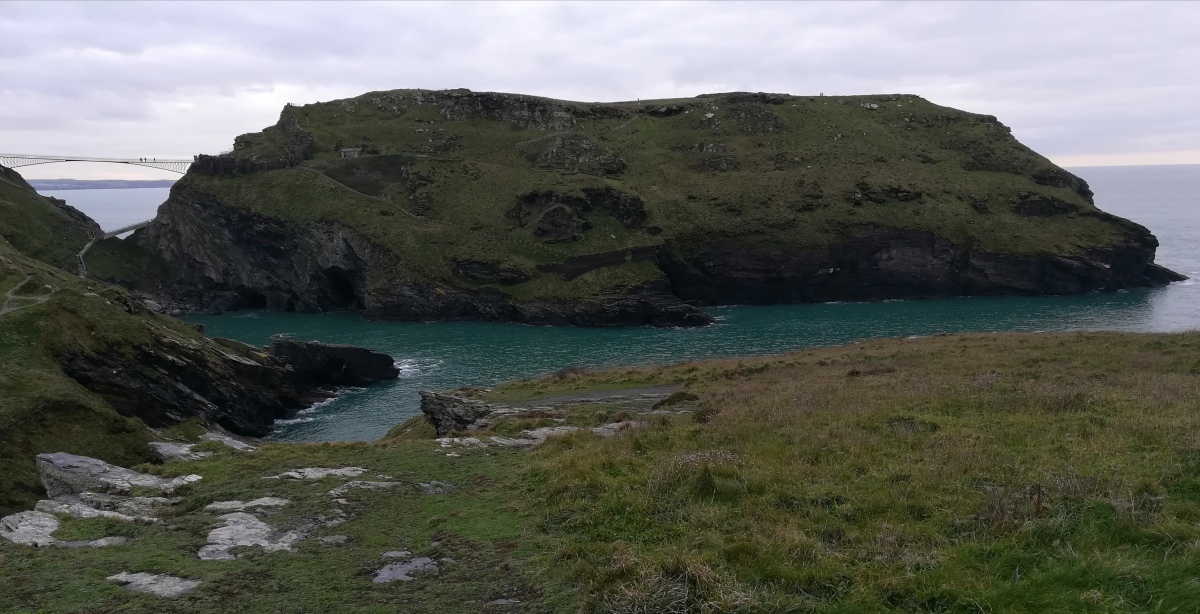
[[458, 205]]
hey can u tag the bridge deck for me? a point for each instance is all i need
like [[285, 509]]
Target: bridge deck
[[19, 160]]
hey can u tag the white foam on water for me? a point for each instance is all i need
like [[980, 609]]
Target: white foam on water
[[412, 367]]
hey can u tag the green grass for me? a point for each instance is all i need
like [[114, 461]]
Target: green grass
[[995, 473], [37, 228], [794, 189], [43, 410], [999, 473]]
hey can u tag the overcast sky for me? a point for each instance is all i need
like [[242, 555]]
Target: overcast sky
[[1082, 83]]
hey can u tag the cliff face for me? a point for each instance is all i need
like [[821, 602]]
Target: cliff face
[[490, 206]]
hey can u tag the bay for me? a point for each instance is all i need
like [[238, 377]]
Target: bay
[[450, 354]]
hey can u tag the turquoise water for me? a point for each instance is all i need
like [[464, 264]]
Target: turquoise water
[[446, 355]]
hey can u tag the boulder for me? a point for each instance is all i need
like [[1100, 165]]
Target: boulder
[[68, 474], [449, 413], [237, 506], [155, 584], [169, 450], [29, 528], [324, 364], [318, 473], [245, 530]]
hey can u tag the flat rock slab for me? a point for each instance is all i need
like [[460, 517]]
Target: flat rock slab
[[245, 530], [30, 528], [68, 474], [229, 442], [535, 437], [34, 528], [237, 506], [436, 488], [317, 473], [130, 506], [169, 451], [360, 484], [80, 510], [154, 584], [648, 393], [402, 571]]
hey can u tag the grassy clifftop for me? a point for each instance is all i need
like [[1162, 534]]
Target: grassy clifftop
[[541, 199], [42, 228], [996, 473]]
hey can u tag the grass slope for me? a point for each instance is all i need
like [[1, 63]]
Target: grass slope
[[973, 473], [767, 172], [39, 227]]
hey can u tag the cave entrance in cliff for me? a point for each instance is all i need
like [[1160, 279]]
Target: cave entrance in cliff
[[342, 292], [249, 299]]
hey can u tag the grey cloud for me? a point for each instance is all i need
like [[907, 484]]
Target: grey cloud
[[1071, 78]]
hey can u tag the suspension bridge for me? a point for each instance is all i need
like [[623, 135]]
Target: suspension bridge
[[19, 160]]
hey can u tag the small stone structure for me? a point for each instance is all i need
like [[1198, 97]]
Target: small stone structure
[[351, 152]]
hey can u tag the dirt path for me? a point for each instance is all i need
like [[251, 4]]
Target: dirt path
[[11, 301], [647, 393]]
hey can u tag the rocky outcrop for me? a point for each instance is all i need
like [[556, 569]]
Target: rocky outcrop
[[324, 364], [242, 530], [68, 474], [877, 265], [239, 388], [450, 413], [236, 259], [162, 585]]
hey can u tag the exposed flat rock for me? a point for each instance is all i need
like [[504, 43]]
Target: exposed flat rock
[[342, 490], [436, 488], [534, 437], [336, 540], [645, 394], [30, 528], [36, 528], [245, 530], [450, 413], [69, 474], [229, 442], [169, 450], [154, 584], [129, 506], [317, 473], [80, 510], [237, 506], [402, 571]]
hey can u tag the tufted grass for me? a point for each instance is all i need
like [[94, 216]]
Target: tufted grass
[[966, 473], [995, 473]]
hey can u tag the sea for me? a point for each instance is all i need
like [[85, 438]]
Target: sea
[[444, 355]]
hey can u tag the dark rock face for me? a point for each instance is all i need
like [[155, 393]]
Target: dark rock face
[[898, 264], [558, 224], [234, 259], [244, 392], [649, 305], [448, 413], [628, 209], [321, 364], [167, 385], [481, 272], [577, 152]]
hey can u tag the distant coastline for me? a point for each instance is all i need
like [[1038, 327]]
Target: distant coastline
[[99, 184]]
